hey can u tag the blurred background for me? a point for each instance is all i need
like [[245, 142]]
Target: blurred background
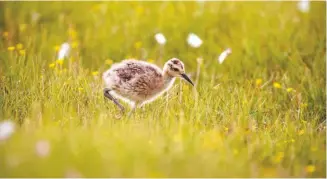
[[279, 40], [256, 64], [261, 35]]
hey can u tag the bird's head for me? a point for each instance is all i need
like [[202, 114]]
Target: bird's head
[[175, 68]]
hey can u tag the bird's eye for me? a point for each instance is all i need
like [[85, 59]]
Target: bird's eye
[[175, 62], [175, 69]]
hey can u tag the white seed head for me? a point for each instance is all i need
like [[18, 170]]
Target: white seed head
[[194, 41], [223, 55], [42, 148], [7, 128], [160, 38], [64, 51], [304, 6]]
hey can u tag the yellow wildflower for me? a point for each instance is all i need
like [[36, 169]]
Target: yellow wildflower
[[226, 129], [292, 140], [80, 89], [22, 27], [235, 151], [277, 85], [244, 102], [11, 48], [109, 61], [304, 105], [154, 174], [138, 45], [289, 89], [56, 48], [95, 73], [177, 137], [258, 81], [313, 149], [278, 157], [301, 132], [5, 34], [60, 61], [19, 46], [310, 168], [22, 52], [139, 10], [75, 44], [129, 57], [72, 33], [95, 7], [150, 60], [52, 65], [212, 140]]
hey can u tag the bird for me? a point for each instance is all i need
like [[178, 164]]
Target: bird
[[138, 82]]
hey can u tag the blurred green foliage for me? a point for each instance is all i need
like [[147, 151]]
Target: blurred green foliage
[[235, 124]]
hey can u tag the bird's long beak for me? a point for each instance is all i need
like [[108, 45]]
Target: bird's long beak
[[187, 78]]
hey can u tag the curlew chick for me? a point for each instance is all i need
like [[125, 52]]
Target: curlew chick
[[139, 82]]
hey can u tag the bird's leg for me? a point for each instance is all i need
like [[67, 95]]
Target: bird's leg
[[133, 109], [109, 96], [143, 109], [142, 106]]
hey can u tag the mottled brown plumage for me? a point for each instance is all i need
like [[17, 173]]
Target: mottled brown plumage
[[139, 82]]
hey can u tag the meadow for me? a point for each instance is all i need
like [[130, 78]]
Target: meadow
[[260, 113]]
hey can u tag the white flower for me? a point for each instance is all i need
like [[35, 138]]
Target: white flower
[[200, 1], [7, 128], [64, 51], [304, 6], [223, 55], [42, 148], [35, 16], [160, 38], [194, 41]]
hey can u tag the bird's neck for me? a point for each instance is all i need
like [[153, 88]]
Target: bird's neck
[[168, 79]]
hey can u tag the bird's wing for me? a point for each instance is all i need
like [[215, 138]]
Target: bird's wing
[[141, 78], [132, 68], [129, 70]]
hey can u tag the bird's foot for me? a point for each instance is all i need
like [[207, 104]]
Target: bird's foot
[[130, 113], [119, 116]]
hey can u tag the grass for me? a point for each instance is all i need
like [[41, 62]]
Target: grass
[[259, 114]]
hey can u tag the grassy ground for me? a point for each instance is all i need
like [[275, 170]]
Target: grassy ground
[[259, 114]]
